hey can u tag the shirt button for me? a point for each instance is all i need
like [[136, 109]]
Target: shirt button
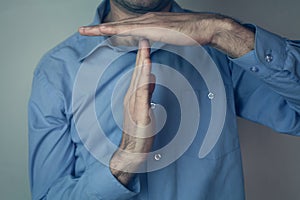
[[268, 58], [157, 157], [254, 69], [211, 95], [152, 106]]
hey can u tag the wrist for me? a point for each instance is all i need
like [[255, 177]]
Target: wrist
[[131, 154], [221, 27], [123, 165], [232, 38], [133, 144]]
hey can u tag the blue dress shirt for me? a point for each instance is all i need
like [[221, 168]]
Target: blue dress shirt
[[262, 86]]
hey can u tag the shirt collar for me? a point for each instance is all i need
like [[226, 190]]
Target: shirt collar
[[92, 43]]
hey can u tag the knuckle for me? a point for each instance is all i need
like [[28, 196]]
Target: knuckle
[[150, 15], [142, 91], [140, 94]]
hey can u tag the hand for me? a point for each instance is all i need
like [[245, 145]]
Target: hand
[[216, 30], [188, 24], [137, 135]]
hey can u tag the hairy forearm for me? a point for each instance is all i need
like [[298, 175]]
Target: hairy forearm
[[131, 154], [119, 167], [232, 38]]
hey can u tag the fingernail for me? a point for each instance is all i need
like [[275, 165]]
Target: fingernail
[[82, 27], [143, 43], [81, 30], [140, 44]]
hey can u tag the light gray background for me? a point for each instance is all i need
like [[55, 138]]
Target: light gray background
[[31, 27]]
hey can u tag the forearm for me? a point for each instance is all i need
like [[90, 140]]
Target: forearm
[[131, 154], [232, 38]]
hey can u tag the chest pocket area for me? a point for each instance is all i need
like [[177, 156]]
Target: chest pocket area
[[217, 143]]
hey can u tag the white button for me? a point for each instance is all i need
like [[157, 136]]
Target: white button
[[268, 58], [211, 96], [152, 105], [157, 157], [254, 69]]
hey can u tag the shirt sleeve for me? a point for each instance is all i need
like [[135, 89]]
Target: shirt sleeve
[[51, 154], [267, 82]]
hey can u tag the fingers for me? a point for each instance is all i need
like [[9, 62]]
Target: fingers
[[171, 28], [141, 86], [122, 27], [97, 30], [142, 94], [143, 53], [113, 28]]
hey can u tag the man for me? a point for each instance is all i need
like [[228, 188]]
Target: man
[[260, 71]]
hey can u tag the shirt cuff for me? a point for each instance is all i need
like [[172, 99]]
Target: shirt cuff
[[105, 186], [268, 55]]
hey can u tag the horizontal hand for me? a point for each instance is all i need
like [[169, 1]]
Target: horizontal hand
[[174, 28]]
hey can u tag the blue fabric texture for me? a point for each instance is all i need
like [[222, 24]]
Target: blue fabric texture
[[262, 86]]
